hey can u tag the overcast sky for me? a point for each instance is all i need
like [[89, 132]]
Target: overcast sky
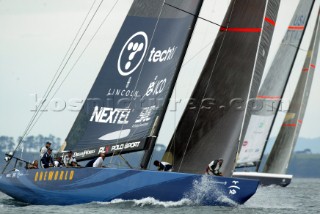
[[35, 35]]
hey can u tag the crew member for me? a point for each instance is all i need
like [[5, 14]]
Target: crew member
[[44, 149], [47, 160], [99, 161], [214, 166], [163, 166], [69, 160]]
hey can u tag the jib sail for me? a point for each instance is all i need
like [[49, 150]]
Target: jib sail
[[211, 124]]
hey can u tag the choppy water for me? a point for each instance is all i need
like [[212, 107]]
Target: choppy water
[[301, 196]]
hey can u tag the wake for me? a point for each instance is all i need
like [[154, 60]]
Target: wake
[[149, 202], [204, 191]]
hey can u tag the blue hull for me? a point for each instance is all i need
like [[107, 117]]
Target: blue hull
[[65, 186]]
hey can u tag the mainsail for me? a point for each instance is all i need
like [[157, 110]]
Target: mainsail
[[272, 89], [278, 159], [125, 106], [211, 124]]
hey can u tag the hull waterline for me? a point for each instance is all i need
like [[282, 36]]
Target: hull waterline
[[66, 186]]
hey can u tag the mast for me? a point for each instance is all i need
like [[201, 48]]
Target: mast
[[155, 130], [210, 126], [282, 150], [270, 94], [125, 106]]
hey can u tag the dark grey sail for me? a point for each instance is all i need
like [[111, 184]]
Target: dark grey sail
[[278, 159], [272, 89], [125, 106], [211, 124]]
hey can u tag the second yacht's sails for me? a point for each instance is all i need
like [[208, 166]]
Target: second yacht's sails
[[210, 126], [272, 88], [278, 159], [126, 103]]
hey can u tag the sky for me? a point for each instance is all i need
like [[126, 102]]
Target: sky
[[35, 36]]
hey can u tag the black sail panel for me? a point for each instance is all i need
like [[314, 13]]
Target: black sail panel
[[281, 152], [272, 88], [211, 124], [126, 102]]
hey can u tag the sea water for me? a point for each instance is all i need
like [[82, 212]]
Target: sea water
[[301, 196]]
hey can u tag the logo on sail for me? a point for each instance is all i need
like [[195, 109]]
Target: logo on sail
[[156, 87], [110, 115], [144, 116], [84, 153], [125, 146], [132, 53]]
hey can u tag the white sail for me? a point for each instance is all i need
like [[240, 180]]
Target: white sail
[[271, 90], [282, 150]]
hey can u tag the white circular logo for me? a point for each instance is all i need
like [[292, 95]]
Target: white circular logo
[[132, 53]]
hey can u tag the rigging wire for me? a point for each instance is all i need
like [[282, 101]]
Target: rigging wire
[[72, 43], [55, 78], [75, 63], [33, 121], [53, 82], [65, 64], [199, 17]]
